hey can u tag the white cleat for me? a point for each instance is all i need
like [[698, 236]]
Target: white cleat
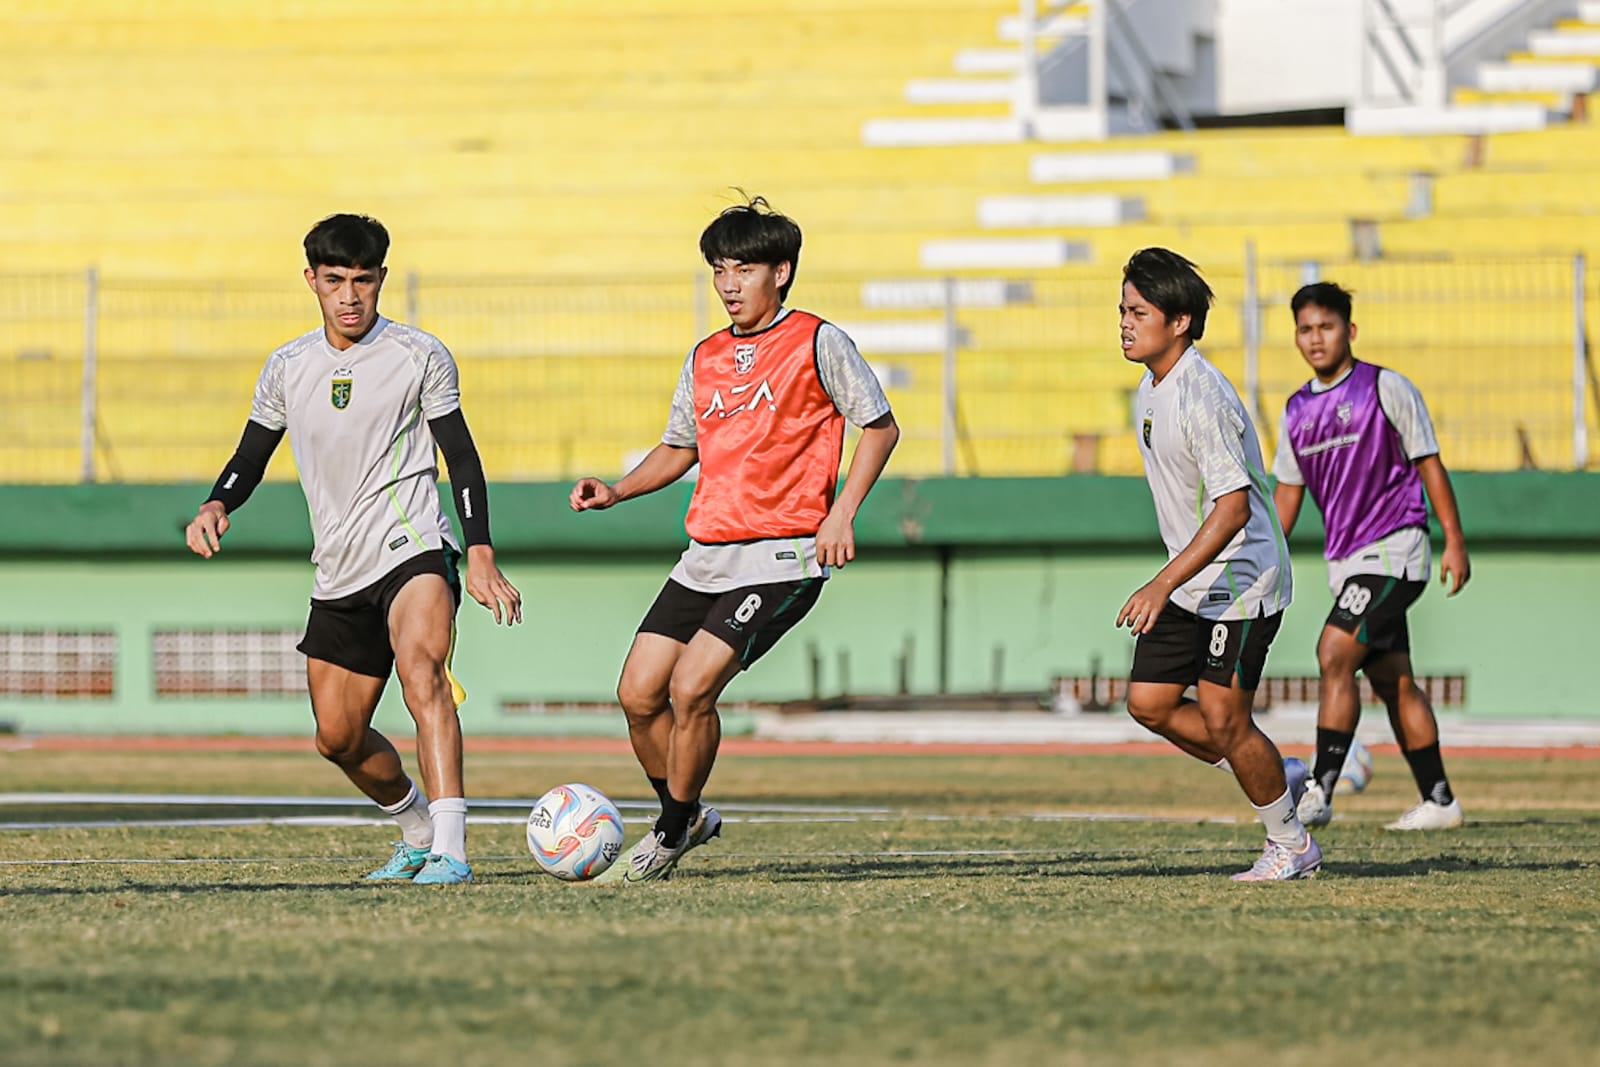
[[1429, 815], [1315, 809], [1280, 863], [706, 825]]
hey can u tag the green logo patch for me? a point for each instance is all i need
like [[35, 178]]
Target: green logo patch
[[341, 393]]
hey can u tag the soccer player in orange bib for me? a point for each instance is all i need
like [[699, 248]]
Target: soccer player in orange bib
[[761, 406]]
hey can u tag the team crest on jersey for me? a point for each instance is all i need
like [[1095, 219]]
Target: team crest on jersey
[[343, 380], [1147, 425], [1342, 412], [744, 359]]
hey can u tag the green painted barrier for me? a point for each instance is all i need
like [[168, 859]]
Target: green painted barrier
[[1503, 509]]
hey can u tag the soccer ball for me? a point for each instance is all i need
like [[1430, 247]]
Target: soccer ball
[[575, 832], [1357, 771]]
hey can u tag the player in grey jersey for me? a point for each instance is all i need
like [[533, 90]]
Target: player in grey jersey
[[365, 402], [1208, 617]]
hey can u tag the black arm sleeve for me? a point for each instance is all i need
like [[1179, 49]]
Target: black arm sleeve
[[467, 486], [247, 467]]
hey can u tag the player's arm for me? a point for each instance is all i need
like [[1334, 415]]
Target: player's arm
[[1407, 412], [854, 388], [1290, 493], [663, 465], [469, 492], [836, 537], [1229, 514], [1454, 566], [239, 478], [1287, 499]]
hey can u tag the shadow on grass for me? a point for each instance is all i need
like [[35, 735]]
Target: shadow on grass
[[790, 869]]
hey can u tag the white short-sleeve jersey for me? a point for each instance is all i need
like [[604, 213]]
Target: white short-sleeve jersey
[[358, 425], [1198, 444]]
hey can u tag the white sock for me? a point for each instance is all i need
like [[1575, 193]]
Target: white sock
[[450, 827], [1283, 825], [416, 828], [1223, 765]]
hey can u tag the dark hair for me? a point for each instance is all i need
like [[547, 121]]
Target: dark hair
[[1172, 284], [347, 241], [754, 233], [1324, 295]]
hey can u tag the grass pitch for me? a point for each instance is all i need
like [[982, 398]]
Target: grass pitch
[[978, 916]]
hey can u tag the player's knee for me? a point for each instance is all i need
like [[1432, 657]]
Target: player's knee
[[1151, 714], [423, 682], [640, 700], [339, 745], [692, 696], [1338, 658]]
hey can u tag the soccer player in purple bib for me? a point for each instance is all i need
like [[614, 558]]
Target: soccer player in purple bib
[[1359, 437]]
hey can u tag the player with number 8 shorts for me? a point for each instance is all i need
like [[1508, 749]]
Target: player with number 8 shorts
[[1358, 436], [761, 406], [1207, 619]]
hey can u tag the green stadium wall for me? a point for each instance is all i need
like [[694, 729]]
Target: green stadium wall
[[959, 584]]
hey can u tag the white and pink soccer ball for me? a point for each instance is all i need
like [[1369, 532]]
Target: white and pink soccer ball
[[1357, 771], [575, 832]]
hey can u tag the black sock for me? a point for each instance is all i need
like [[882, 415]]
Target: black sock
[[676, 815], [1332, 747], [1427, 767], [660, 786]]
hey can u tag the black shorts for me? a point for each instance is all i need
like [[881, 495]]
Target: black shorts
[[353, 631], [1182, 649], [1373, 608], [748, 620]]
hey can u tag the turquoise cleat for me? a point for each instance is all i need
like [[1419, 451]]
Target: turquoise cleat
[[402, 866], [442, 870]]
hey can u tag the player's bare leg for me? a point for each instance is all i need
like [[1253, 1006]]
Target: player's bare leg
[[342, 702], [1290, 852], [1410, 712], [1161, 708], [1339, 656], [421, 625], [1415, 728], [703, 670], [1233, 734], [645, 694]]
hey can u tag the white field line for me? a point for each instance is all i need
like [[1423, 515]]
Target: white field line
[[242, 800]]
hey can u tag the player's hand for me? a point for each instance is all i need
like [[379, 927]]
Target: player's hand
[[836, 540], [489, 587], [591, 494], [1454, 567], [204, 533], [1140, 612]]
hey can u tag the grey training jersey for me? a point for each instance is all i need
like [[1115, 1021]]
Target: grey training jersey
[[1198, 444], [357, 423]]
